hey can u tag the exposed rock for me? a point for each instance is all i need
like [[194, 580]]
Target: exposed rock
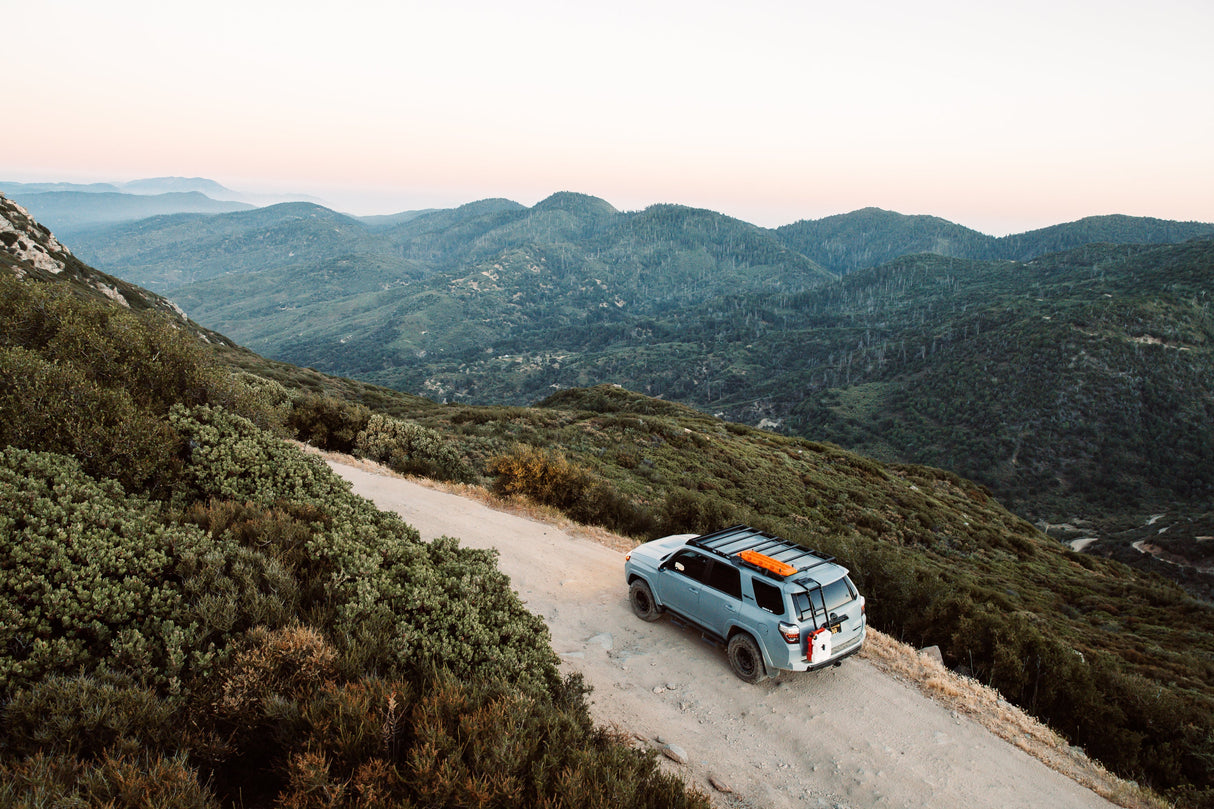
[[719, 785], [26, 241], [933, 652], [675, 753]]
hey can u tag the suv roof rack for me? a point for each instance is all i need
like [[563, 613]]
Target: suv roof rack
[[741, 541]]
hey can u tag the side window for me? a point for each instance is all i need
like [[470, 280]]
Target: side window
[[768, 597], [725, 578], [690, 564]]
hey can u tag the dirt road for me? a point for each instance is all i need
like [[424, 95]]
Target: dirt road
[[846, 737]]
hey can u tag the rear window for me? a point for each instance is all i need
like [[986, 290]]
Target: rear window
[[768, 597], [836, 594]]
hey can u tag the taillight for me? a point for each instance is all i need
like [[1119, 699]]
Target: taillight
[[627, 556], [862, 612], [792, 634]]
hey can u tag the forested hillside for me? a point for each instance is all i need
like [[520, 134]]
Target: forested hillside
[[871, 236]]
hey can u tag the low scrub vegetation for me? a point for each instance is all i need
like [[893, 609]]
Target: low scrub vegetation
[[218, 621]]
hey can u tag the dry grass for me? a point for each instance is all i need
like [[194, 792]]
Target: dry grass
[[987, 707], [935, 681]]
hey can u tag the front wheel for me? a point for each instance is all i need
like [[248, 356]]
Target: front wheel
[[746, 659], [641, 599]]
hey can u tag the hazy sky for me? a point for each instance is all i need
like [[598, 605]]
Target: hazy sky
[[1001, 116]]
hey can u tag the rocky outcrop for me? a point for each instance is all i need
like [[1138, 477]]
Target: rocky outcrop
[[30, 252], [29, 242]]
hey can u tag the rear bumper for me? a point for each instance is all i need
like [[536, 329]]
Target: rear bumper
[[837, 655]]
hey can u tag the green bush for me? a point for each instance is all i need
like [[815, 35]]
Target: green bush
[[92, 381], [685, 511], [410, 449], [88, 576], [386, 595], [230, 458], [85, 715], [57, 407], [327, 423]]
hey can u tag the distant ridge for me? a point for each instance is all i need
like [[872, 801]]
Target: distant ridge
[[72, 208], [168, 185], [871, 236], [70, 213]]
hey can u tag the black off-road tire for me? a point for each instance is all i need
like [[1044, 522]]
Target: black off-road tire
[[641, 599], [746, 659]]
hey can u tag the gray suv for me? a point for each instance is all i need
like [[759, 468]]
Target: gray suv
[[774, 604]]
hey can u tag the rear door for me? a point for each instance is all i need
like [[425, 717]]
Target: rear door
[[720, 599], [842, 609]]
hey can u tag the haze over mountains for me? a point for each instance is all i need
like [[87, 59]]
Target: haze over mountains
[[70, 208]]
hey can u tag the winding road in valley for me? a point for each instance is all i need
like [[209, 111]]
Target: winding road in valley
[[846, 737]]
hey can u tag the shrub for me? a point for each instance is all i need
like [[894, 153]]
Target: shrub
[[541, 475], [328, 423], [287, 662], [84, 715], [231, 459], [547, 478], [54, 407], [453, 743], [389, 599], [81, 378], [90, 576], [149, 781], [685, 511], [85, 575], [410, 449]]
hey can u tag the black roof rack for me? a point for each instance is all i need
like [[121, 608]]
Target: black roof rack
[[729, 542]]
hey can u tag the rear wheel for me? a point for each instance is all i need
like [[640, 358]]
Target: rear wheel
[[641, 599], [746, 659]]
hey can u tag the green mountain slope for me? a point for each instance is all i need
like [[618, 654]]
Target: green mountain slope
[[871, 236], [163, 253]]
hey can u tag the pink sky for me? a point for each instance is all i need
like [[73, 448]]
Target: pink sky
[[1001, 119]]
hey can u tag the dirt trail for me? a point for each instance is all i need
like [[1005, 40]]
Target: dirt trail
[[845, 738]]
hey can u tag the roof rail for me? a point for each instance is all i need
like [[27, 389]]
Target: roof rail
[[789, 558]]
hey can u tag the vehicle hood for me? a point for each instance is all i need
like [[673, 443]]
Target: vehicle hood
[[655, 550]]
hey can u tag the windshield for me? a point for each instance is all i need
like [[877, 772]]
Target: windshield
[[837, 593]]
